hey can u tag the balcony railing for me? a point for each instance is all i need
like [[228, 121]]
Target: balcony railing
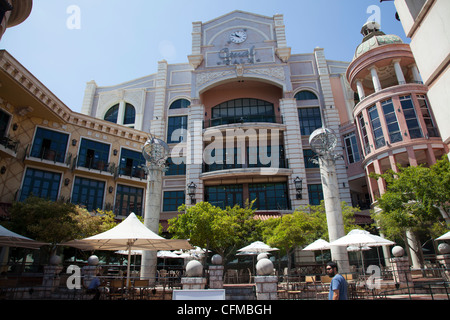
[[282, 163], [9, 143], [133, 172], [242, 119]]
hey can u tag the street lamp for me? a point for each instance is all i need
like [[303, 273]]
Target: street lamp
[[298, 187], [191, 192]]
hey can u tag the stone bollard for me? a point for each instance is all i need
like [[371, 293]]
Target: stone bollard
[[444, 259], [51, 276], [193, 279], [216, 273], [266, 283], [400, 267]]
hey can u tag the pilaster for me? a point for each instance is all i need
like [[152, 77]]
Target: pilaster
[[157, 123]]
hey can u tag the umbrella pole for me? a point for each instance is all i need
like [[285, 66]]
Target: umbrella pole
[[128, 266]]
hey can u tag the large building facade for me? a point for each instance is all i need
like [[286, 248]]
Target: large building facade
[[237, 116]]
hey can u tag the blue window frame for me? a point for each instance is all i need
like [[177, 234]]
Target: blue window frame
[[180, 104], [172, 200], [351, 147], [128, 199], [376, 127], [39, 183], [225, 195], [49, 145], [132, 163], [315, 194], [130, 114], [175, 123], [242, 111], [395, 134], [88, 192], [93, 154], [308, 155], [305, 95], [310, 120], [177, 168], [112, 114], [269, 196], [411, 117]]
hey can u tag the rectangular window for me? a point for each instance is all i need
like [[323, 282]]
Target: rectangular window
[[376, 127], [177, 129], [395, 134], [4, 122], [39, 183], [224, 196], [89, 193], [308, 156], [269, 196], [315, 194], [93, 154], [351, 147], [427, 116], [132, 163], [128, 199], [411, 117], [310, 120], [172, 200], [49, 145], [365, 137], [176, 167]]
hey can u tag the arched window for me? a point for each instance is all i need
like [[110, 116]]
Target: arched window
[[242, 110], [121, 113], [112, 113], [180, 104], [130, 114], [305, 95]]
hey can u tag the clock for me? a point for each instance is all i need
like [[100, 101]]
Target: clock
[[238, 36]]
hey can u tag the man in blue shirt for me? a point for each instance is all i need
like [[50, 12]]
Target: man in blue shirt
[[338, 285]]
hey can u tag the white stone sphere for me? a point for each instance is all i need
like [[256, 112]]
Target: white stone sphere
[[55, 260], [444, 248], [216, 259], [194, 269], [264, 267], [398, 251], [262, 256], [93, 260]]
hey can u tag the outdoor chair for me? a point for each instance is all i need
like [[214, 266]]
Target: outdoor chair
[[140, 289], [116, 289]]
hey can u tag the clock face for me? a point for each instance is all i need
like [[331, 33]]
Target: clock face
[[238, 36]]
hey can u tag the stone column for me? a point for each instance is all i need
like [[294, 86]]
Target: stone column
[[360, 89], [416, 75], [333, 210], [266, 283], [400, 267], [51, 277], [375, 79], [151, 218], [216, 273], [399, 72]]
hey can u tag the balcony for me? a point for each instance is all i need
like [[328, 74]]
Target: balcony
[[9, 145], [242, 119]]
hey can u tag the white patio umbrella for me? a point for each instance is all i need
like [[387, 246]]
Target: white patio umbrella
[[258, 246], [130, 234], [361, 239], [445, 236], [12, 239], [317, 245]]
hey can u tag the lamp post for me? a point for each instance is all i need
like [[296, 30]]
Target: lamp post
[[155, 152], [323, 142], [191, 192], [298, 187]]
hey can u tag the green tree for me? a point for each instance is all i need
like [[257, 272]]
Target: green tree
[[289, 231], [213, 228], [415, 201]]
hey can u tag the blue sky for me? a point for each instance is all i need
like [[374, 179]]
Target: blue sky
[[119, 40]]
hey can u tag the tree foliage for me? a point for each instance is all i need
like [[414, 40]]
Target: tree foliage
[[56, 221], [416, 199], [213, 228]]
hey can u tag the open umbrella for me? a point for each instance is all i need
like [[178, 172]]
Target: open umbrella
[[258, 246], [317, 245], [130, 234], [12, 239], [361, 239], [445, 236]]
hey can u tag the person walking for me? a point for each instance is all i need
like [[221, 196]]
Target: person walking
[[338, 285]]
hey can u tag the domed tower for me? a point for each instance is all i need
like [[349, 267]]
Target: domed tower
[[393, 115]]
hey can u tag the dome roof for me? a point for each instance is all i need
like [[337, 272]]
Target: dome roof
[[374, 38]]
